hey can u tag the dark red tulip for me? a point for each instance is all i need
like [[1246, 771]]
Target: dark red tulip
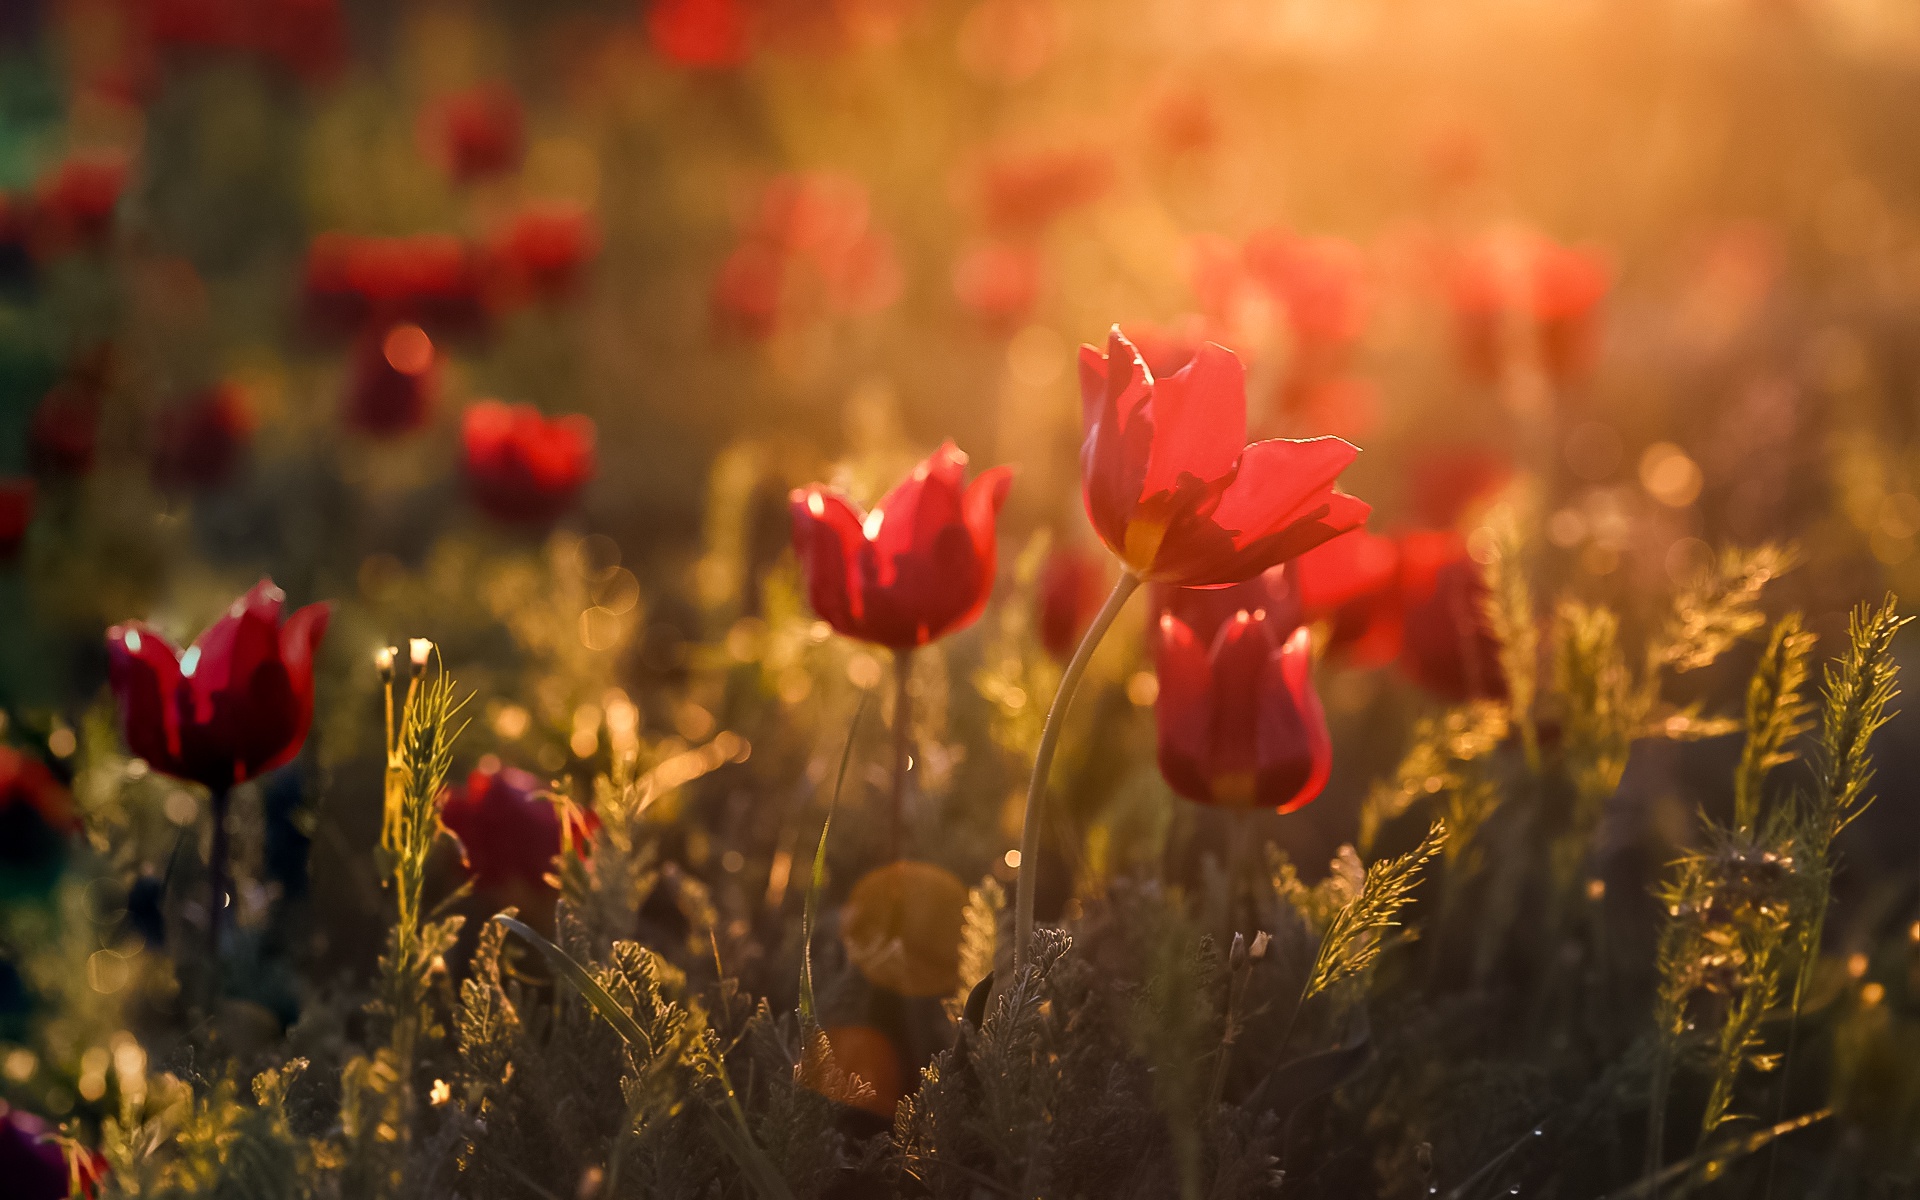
[[703, 34], [31, 1160], [1449, 645], [1320, 284], [1174, 490], [747, 290], [199, 442], [999, 283], [1073, 584], [66, 426], [235, 705], [543, 251], [915, 568], [75, 202], [809, 247], [352, 283], [1021, 193], [521, 466], [1239, 722], [395, 379], [1418, 599], [306, 38], [509, 827], [476, 133], [1525, 294], [16, 514], [36, 819]]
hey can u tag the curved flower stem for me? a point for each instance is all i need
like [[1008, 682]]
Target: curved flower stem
[[217, 857], [1043, 762], [902, 744]]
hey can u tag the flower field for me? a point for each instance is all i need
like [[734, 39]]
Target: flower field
[[790, 599]]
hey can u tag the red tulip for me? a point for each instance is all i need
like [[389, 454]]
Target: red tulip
[[1445, 485], [395, 379], [1418, 599], [509, 828], [1173, 489], [65, 427], [354, 282], [306, 37], [235, 705], [1073, 585], [809, 245], [1525, 293], [1320, 283], [16, 514], [999, 283], [705, 34], [1239, 722], [746, 292], [476, 133], [917, 567], [77, 200], [199, 443], [1449, 646], [36, 818], [31, 1160], [519, 465], [1020, 194], [543, 251]]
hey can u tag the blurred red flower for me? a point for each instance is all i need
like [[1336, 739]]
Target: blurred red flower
[[352, 282], [521, 466], [31, 1160], [395, 378], [476, 133], [1183, 121], [235, 705], [199, 442], [509, 827], [542, 252], [307, 38], [809, 246], [66, 425], [1021, 193], [705, 34], [1447, 484], [1239, 722], [1310, 290], [1418, 599], [75, 202], [999, 283], [36, 818], [1525, 294], [16, 514], [1172, 486], [917, 567], [1073, 584]]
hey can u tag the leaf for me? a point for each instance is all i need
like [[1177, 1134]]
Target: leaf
[[817, 880], [564, 964]]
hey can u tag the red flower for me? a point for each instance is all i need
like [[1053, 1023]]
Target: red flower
[[1446, 484], [31, 1161], [810, 245], [508, 825], [353, 282], [707, 34], [542, 251], [1021, 194], [999, 283], [235, 705], [16, 514], [66, 425], [1526, 294], [519, 465], [1073, 584], [306, 37], [1419, 599], [1239, 722], [76, 202], [1173, 488], [36, 818], [395, 379], [917, 567], [199, 443], [476, 133]]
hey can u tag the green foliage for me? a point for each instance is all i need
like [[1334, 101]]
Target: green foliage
[[1352, 941]]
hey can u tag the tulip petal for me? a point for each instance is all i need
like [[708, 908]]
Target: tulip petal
[[1199, 421], [1115, 396], [918, 507], [1183, 712], [829, 542], [299, 640], [144, 671], [1278, 483], [1295, 749]]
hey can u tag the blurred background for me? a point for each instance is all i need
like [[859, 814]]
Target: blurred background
[[265, 263]]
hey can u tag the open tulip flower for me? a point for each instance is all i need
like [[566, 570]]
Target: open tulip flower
[[1174, 490], [236, 704], [916, 567], [520, 466], [1239, 722]]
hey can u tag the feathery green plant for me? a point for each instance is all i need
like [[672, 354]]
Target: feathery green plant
[[1776, 715], [1352, 942]]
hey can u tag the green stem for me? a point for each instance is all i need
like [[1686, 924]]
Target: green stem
[[217, 887], [902, 744], [1043, 762]]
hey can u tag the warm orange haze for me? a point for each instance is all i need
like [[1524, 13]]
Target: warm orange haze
[[944, 599]]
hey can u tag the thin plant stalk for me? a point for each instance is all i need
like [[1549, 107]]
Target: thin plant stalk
[[902, 746], [217, 885], [1043, 762]]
